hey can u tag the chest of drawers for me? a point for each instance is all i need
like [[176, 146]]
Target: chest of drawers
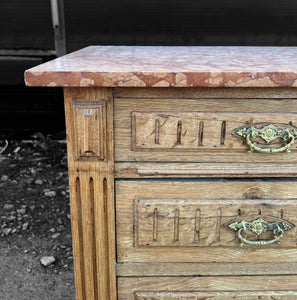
[[182, 170]]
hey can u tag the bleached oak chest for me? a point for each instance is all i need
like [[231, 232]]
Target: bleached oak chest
[[182, 170]]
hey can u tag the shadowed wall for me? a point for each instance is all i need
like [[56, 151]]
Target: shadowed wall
[[27, 25]]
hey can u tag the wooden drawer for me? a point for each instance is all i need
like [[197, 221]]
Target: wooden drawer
[[187, 221], [204, 130], [204, 288]]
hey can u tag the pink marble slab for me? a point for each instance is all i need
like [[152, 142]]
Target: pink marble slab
[[148, 66]]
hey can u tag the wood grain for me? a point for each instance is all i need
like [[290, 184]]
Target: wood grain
[[136, 121], [146, 220], [92, 193], [241, 287], [171, 230], [173, 170], [182, 131], [205, 269], [214, 295], [205, 93], [200, 223], [89, 121]]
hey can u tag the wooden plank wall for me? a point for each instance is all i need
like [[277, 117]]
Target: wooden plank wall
[[175, 22], [28, 25], [150, 22]]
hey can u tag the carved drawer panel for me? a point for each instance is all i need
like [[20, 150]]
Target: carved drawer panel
[[206, 221], [203, 131], [206, 288], [213, 130]]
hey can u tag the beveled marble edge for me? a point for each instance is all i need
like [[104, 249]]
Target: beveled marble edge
[[203, 79], [124, 66]]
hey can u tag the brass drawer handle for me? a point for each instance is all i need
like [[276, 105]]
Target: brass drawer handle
[[268, 133], [276, 239], [259, 226]]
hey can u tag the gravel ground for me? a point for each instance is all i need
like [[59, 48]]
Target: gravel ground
[[36, 259]]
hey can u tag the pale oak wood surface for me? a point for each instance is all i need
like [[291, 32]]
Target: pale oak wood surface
[[89, 120], [139, 229], [204, 269], [92, 195], [178, 136], [271, 287], [213, 295], [194, 170], [205, 93]]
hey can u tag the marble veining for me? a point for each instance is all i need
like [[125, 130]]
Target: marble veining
[[158, 66]]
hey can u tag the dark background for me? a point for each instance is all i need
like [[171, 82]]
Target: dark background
[[27, 26]]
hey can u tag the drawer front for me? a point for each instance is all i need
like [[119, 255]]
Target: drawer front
[[206, 221], [205, 130], [203, 288]]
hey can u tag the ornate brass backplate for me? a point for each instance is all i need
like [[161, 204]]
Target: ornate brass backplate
[[268, 133], [259, 226]]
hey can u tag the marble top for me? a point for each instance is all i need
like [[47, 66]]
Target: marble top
[[158, 66]]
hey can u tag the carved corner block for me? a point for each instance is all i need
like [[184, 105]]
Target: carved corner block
[[89, 123]]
